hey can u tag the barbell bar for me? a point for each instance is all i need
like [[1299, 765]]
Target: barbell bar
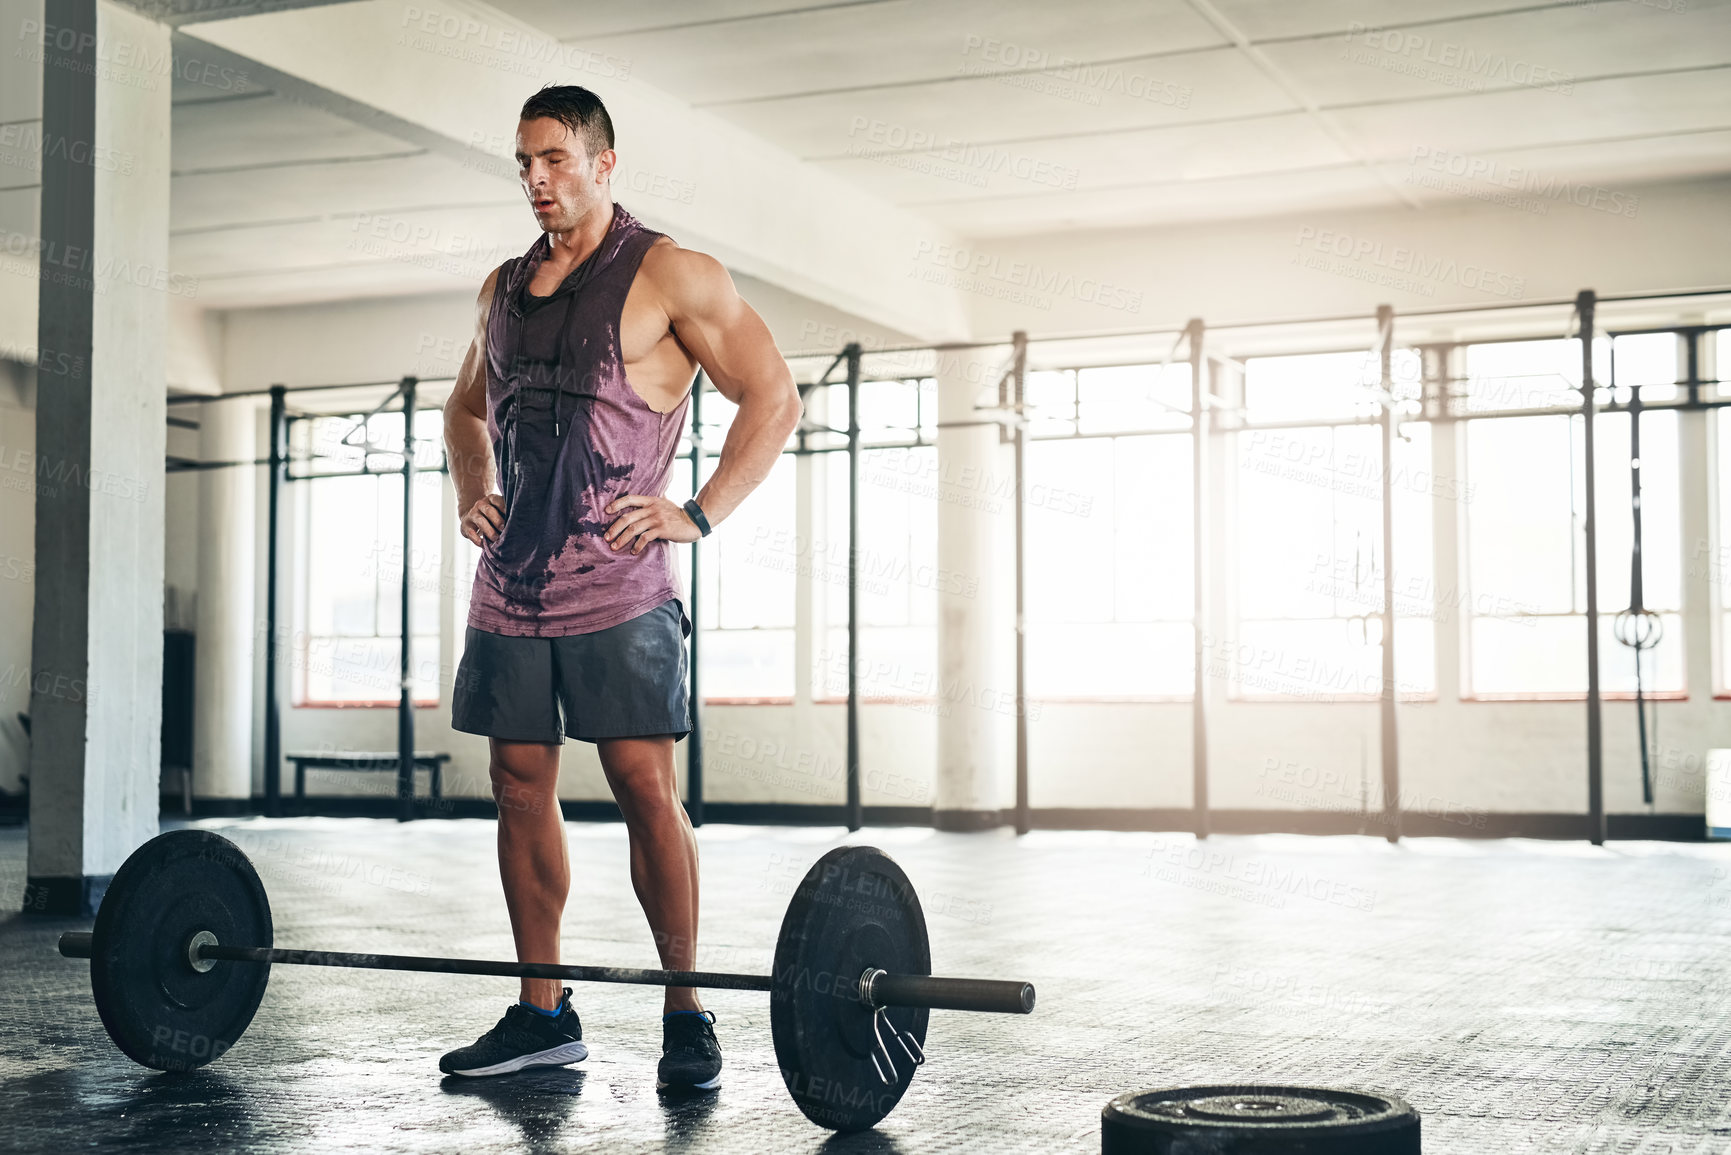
[[851, 949], [999, 996]]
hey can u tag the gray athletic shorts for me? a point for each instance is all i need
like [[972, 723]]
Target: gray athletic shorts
[[625, 681]]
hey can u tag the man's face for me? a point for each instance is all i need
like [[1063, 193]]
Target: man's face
[[563, 183]]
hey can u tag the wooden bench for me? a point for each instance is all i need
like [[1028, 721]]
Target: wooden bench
[[428, 760]]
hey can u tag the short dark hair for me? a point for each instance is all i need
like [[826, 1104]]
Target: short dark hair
[[578, 109]]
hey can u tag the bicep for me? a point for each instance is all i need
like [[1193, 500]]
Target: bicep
[[725, 334], [470, 391]]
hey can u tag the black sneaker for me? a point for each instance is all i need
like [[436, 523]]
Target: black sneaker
[[690, 1056], [523, 1038]]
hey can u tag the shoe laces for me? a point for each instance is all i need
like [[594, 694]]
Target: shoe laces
[[683, 1027]]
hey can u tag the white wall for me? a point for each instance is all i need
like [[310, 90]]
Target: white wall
[[1262, 270]]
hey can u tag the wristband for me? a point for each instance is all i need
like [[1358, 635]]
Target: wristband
[[695, 513]]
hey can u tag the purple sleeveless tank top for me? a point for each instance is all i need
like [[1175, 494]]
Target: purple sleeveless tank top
[[569, 436]]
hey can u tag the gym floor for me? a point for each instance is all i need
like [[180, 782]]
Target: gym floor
[[1523, 996]]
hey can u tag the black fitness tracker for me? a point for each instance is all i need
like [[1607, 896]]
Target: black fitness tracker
[[695, 513]]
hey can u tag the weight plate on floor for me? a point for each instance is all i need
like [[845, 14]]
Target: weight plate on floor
[[854, 910], [159, 1008], [1252, 1120]]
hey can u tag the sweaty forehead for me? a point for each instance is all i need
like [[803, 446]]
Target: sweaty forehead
[[545, 134]]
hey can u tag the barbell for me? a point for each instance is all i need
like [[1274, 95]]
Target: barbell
[[182, 947]]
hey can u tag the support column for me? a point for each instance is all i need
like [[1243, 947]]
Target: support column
[[971, 791], [96, 647], [227, 541], [1389, 713], [1584, 306], [1201, 442]]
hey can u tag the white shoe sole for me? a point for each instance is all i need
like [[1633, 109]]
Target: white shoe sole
[[711, 1085], [556, 1057]]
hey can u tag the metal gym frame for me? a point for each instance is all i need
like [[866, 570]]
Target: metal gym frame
[[1208, 414], [278, 462], [1204, 405]]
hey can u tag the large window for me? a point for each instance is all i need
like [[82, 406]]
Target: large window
[[347, 610], [1108, 534], [899, 579], [1716, 557], [1309, 563], [1526, 540], [750, 566]]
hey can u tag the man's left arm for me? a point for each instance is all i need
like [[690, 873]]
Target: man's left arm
[[738, 354]]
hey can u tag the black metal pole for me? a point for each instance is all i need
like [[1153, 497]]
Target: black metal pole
[[1692, 351], [1637, 618], [1019, 375], [273, 535], [406, 694], [1584, 305], [855, 811], [1389, 727], [694, 741], [1199, 437]]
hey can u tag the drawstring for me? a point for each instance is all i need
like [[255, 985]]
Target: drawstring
[[558, 378], [574, 281]]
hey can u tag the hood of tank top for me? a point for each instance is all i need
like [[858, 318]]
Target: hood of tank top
[[517, 286]]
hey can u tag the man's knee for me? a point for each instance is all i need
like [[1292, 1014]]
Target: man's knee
[[643, 793], [524, 778]]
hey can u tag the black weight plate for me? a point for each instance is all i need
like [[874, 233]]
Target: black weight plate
[[854, 910], [1256, 1120], [159, 1009]]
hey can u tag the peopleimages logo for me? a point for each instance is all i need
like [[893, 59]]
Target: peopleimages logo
[[1448, 62], [1035, 69], [1396, 266], [968, 162], [463, 37], [988, 274], [1530, 190]]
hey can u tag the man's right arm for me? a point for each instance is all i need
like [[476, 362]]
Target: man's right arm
[[468, 453]]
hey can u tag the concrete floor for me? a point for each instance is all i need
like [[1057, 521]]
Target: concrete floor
[[1524, 996]]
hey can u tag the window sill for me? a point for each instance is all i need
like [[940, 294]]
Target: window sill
[[382, 704], [1324, 699], [1579, 696]]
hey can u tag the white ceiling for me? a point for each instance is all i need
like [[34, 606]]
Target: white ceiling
[[1262, 107]]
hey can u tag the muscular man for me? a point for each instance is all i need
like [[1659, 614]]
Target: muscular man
[[561, 433]]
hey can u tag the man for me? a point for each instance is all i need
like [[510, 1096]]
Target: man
[[560, 433]]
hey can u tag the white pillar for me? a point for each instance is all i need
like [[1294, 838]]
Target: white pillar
[[227, 540], [1685, 792], [972, 790], [96, 647]]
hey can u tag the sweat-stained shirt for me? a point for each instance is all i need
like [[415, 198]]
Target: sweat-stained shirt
[[570, 435]]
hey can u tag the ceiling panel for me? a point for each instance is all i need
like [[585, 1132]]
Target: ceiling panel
[[1600, 177], [1224, 198], [1638, 106], [1215, 85], [229, 200], [423, 251], [825, 49], [269, 286], [267, 129], [1267, 19], [1161, 125], [1550, 51], [1147, 156], [573, 19]]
